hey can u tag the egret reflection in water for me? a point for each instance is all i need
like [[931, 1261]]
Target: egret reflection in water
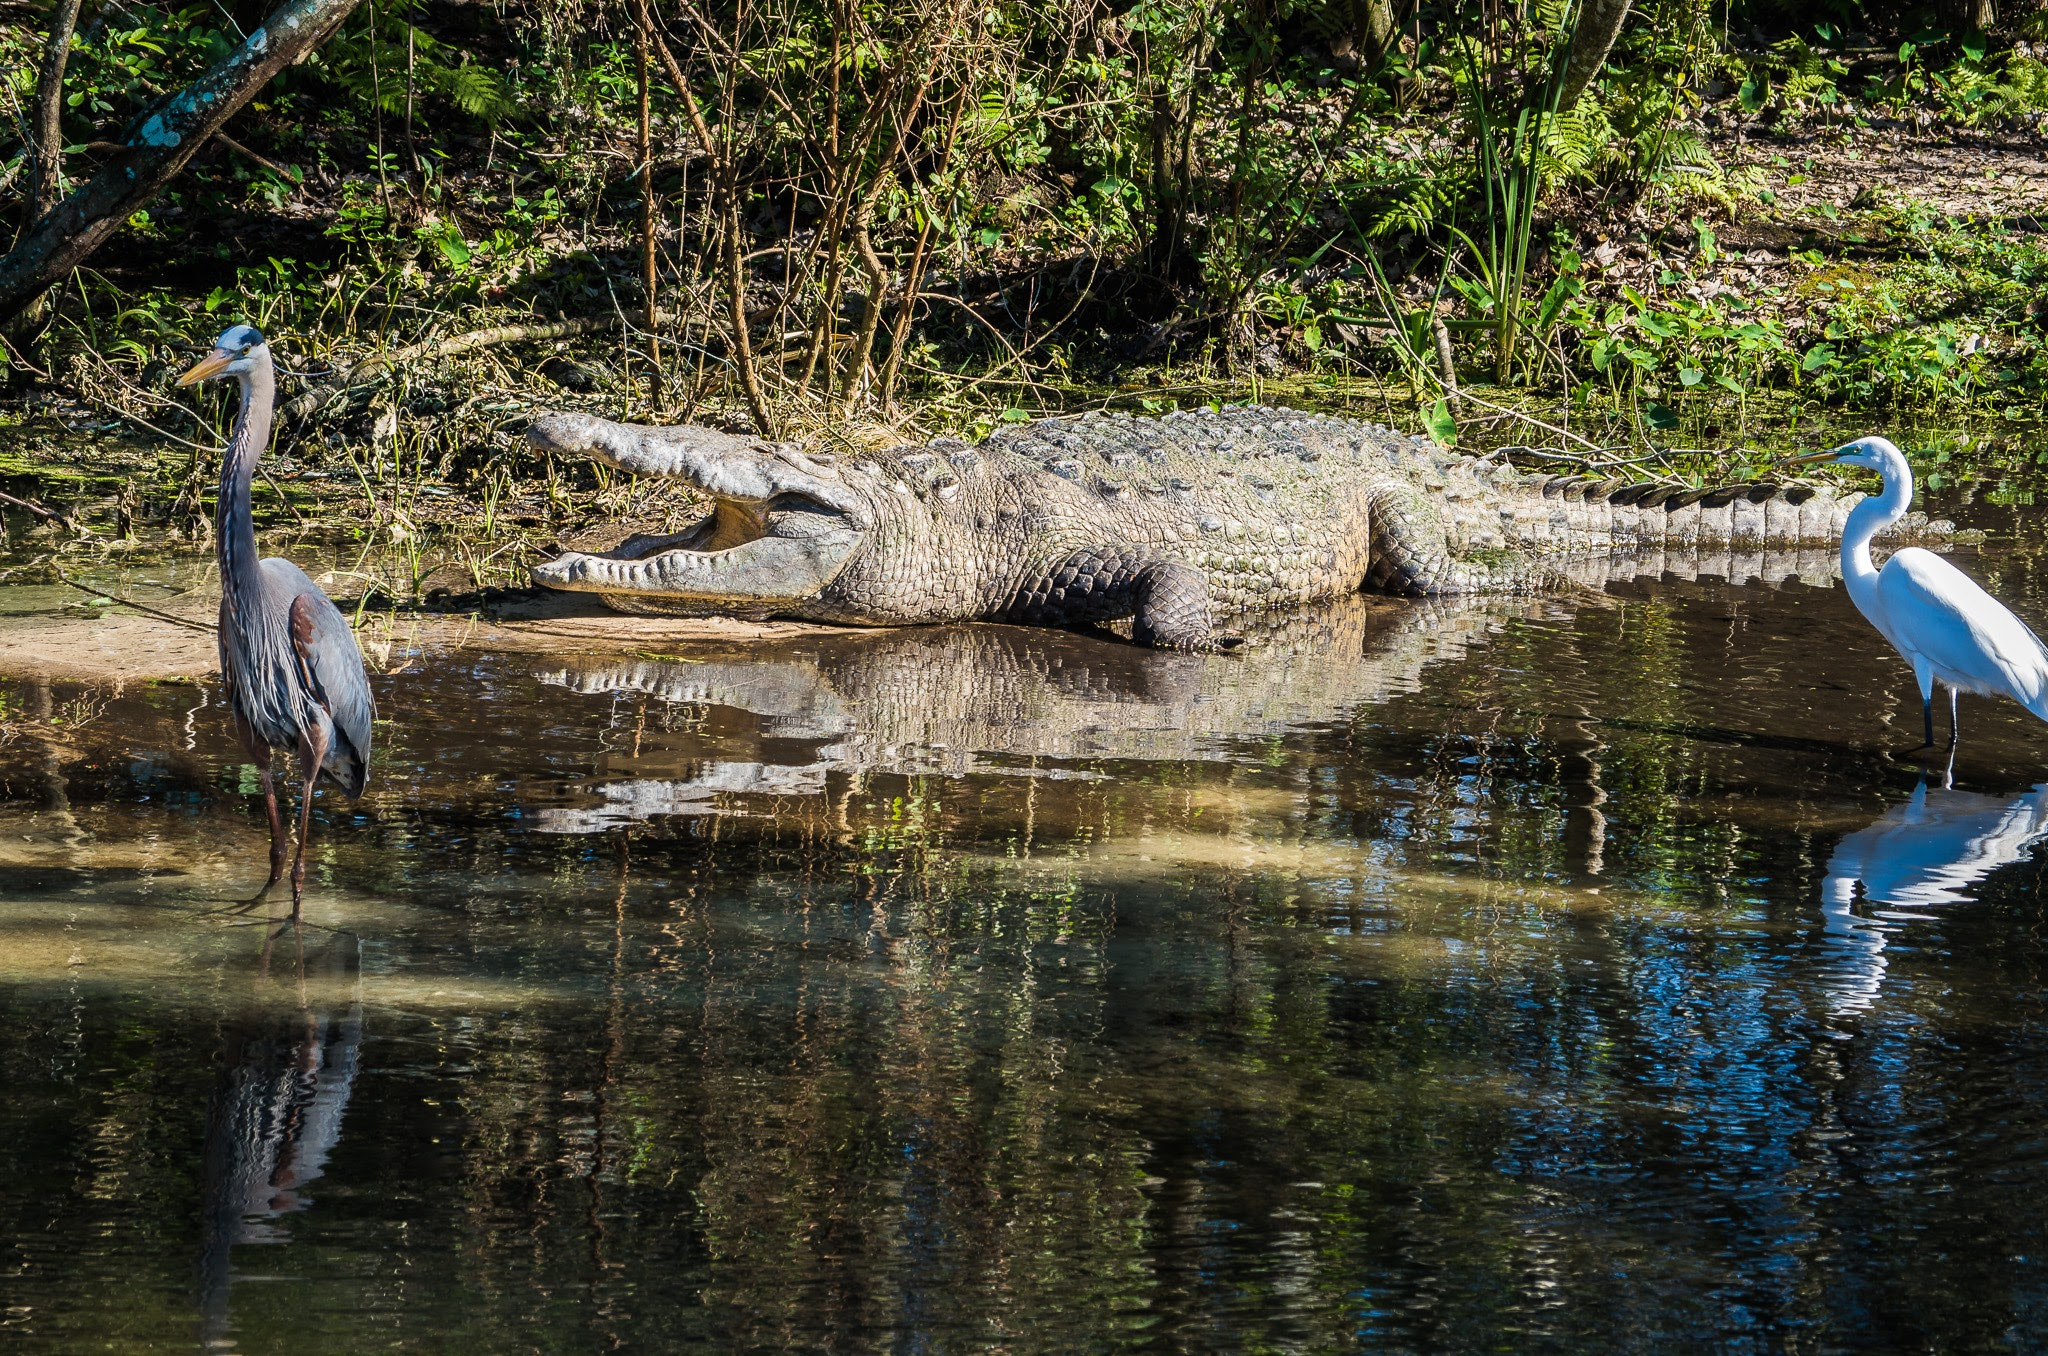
[[1923, 853]]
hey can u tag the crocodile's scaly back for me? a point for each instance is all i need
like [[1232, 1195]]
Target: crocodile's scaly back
[[1086, 519]]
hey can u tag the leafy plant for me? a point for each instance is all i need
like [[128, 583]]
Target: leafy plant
[[1511, 163], [389, 60]]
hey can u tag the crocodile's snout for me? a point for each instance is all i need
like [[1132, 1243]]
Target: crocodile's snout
[[564, 434]]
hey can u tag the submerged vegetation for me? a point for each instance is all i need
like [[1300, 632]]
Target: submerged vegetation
[[1583, 227]]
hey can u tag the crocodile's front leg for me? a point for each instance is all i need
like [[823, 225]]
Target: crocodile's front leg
[[1412, 556], [1168, 602]]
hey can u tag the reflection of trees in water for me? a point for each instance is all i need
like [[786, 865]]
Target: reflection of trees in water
[[1098, 1086], [938, 1055]]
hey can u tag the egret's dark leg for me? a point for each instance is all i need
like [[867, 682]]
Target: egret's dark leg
[[312, 753], [1954, 732], [1927, 714]]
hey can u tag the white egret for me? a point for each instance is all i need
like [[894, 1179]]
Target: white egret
[[1939, 620]]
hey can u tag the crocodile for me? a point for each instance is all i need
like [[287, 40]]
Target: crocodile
[[1166, 522]]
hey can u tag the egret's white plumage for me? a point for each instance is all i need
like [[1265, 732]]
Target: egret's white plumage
[[1939, 620]]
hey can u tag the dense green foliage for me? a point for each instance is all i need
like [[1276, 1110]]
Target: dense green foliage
[[1024, 198]]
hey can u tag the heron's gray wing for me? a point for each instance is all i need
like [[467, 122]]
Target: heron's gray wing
[[332, 667]]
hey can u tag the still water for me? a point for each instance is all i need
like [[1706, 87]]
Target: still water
[[1584, 972]]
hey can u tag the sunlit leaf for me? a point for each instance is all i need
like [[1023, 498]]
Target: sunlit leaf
[[1439, 424]]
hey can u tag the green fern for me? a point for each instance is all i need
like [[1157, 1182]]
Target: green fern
[[1422, 202], [374, 71], [1576, 140]]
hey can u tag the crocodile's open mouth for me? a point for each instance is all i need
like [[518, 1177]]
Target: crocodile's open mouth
[[780, 529], [745, 558]]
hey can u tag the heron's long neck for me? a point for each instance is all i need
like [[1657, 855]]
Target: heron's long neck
[[1866, 520], [235, 527]]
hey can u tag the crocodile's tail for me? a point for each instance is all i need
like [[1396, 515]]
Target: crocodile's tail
[[1487, 528], [1589, 514]]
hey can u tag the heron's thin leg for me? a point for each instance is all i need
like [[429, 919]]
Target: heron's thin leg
[[312, 753], [263, 775], [1927, 714], [260, 754]]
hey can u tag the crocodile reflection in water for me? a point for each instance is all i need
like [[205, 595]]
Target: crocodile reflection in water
[[1925, 852], [952, 700], [960, 699], [288, 1065]]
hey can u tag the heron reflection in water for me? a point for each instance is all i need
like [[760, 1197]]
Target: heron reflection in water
[[1923, 853], [287, 1067]]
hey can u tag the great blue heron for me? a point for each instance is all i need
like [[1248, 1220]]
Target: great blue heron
[[293, 672]]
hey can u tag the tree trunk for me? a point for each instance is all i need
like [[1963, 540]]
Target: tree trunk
[[1593, 37], [157, 149], [48, 146], [1174, 112], [642, 26]]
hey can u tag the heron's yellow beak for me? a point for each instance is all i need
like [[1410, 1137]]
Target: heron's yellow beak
[[212, 365], [1812, 457]]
